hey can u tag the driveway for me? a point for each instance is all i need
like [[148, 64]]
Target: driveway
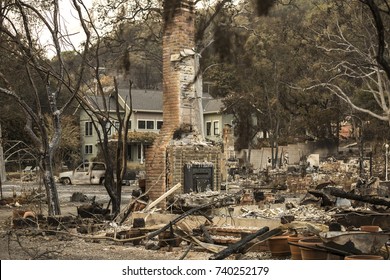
[[65, 193]]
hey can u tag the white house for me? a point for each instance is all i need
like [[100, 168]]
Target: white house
[[147, 117]]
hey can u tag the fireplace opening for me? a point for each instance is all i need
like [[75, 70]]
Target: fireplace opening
[[198, 177]]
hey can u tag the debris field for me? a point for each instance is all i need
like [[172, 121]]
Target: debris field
[[336, 218]]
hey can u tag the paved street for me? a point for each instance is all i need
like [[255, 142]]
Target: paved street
[[65, 192]]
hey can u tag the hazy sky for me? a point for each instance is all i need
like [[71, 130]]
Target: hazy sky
[[70, 25]]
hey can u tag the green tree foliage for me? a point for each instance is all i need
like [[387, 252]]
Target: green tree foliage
[[350, 62], [269, 55], [347, 36], [132, 47], [13, 69]]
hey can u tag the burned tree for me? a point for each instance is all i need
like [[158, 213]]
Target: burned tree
[[51, 87], [100, 113]]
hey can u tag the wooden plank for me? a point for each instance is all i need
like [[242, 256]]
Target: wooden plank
[[161, 198]]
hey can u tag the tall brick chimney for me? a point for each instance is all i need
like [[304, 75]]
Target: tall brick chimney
[[180, 99]]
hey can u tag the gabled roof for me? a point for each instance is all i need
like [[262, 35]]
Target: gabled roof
[[152, 101], [211, 105], [143, 100], [97, 102]]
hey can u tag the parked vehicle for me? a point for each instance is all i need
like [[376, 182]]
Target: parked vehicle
[[90, 173]]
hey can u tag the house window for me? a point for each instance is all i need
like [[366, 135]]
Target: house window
[[108, 128], [208, 128], [129, 124], [112, 127], [143, 124], [150, 124], [88, 128], [216, 127], [88, 149], [159, 124], [116, 125]]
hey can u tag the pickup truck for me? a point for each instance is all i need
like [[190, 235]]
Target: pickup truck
[[90, 173]]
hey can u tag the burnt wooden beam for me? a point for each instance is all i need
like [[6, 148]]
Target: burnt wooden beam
[[262, 238], [208, 217], [186, 251], [363, 198], [179, 218], [326, 200], [236, 247], [206, 234]]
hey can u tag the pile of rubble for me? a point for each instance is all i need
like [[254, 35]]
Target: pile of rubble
[[25, 197], [214, 198], [309, 213], [226, 223]]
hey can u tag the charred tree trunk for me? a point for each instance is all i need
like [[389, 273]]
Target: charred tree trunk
[[50, 185], [110, 185], [121, 154], [109, 182]]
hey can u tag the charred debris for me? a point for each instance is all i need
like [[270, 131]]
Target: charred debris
[[241, 219]]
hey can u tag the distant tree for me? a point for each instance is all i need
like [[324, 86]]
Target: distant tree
[[353, 36], [11, 117], [380, 14], [268, 54]]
